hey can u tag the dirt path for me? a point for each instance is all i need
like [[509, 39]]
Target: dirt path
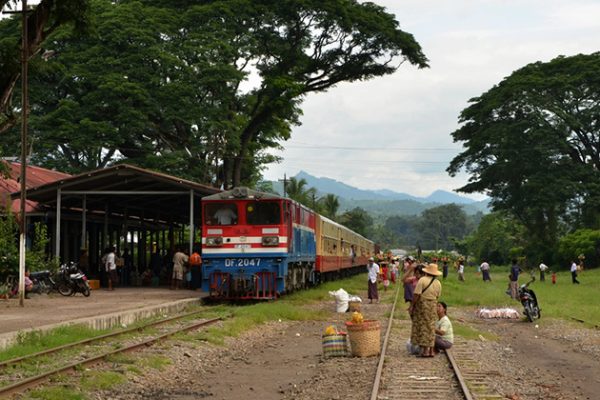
[[556, 360]]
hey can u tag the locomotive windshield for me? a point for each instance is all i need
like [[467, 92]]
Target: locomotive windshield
[[220, 214], [263, 213]]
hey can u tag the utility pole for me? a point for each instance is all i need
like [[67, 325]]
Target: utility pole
[[285, 181], [23, 177]]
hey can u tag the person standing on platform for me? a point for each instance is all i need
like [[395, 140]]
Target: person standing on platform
[[543, 269], [111, 268], [156, 266], [196, 269], [373, 270], [179, 261]]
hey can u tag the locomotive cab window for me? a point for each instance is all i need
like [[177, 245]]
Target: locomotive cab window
[[220, 214], [263, 213]]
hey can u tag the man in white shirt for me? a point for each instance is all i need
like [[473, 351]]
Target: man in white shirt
[[543, 269], [485, 271], [444, 335], [225, 216], [373, 270], [574, 272], [111, 268]]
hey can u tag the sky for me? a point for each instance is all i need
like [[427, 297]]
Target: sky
[[394, 132]]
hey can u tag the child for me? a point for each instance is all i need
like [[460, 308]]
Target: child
[[554, 277]]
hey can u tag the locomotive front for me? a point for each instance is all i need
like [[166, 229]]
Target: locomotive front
[[244, 244]]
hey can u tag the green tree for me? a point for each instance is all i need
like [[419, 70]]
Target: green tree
[[582, 241], [46, 17], [329, 205], [297, 190], [438, 227], [495, 236], [358, 220], [533, 144], [164, 84]]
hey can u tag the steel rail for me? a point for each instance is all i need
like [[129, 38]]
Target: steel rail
[[95, 338], [32, 381], [455, 369], [377, 381], [459, 377]]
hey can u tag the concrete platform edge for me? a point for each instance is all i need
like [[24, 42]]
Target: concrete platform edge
[[104, 321]]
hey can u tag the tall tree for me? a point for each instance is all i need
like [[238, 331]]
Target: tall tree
[[358, 220], [330, 205], [438, 227], [533, 144], [298, 190], [194, 86], [46, 17]]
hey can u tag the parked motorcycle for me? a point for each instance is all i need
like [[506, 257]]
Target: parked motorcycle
[[72, 280], [529, 301], [42, 281]]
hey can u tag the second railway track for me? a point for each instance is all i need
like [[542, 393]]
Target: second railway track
[[14, 381]]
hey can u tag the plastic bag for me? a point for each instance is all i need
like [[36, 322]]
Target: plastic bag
[[412, 348], [341, 300]]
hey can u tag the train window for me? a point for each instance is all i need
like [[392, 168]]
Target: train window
[[263, 213], [220, 214]]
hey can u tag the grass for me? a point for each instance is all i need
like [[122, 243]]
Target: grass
[[563, 300], [155, 362], [35, 341], [56, 393], [93, 380]]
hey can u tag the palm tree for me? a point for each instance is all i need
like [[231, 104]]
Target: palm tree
[[295, 189], [329, 205]]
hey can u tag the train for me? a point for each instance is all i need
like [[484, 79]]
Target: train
[[259, 246]]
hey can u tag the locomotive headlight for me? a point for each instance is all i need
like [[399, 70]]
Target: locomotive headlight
[[214, 241], [270, 240]]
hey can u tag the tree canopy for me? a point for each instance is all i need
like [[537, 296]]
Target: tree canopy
[[533, 144], [46, 17], [202, 89]]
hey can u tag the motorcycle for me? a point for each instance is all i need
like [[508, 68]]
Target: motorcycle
[[42, 282], [529, 301], [72, 280]]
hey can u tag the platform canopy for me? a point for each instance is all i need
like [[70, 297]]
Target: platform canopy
[[124, 190]]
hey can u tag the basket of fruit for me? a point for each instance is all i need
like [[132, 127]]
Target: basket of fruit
[[334, 343], [364, 335]]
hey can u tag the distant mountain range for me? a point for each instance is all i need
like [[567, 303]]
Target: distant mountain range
[[384, 201]]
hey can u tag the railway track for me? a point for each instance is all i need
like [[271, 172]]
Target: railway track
[[15, 379], [454, 375]]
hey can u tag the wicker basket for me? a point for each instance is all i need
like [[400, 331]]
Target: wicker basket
[[335, 345], [365, 338], [354, 306]]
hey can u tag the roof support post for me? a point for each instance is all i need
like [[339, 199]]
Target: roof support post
[[57, 227], [84, 222], [191, 247]]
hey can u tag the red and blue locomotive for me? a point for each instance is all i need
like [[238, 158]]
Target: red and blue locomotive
[[259, 245]]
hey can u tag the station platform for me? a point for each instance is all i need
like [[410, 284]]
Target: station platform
[[103, 309]]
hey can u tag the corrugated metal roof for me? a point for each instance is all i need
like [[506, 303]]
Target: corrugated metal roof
[[36, 176], [123, 178]]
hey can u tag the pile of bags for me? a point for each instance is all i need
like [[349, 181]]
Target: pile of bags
[[342, 298], [506, 313]]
